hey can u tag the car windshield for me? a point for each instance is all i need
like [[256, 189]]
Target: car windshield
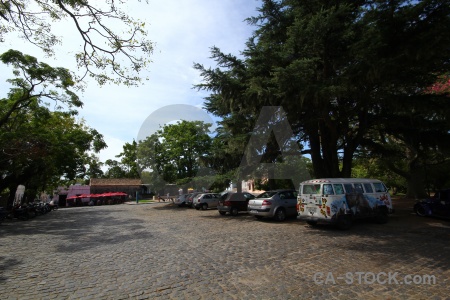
[[266, 195]]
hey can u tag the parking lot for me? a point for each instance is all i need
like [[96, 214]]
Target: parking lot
[[162, 251]]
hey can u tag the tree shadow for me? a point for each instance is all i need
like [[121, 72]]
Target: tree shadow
[[79, 229], [5, 264]]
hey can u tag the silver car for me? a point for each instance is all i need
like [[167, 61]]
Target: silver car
[[277, 204], [206, 200]]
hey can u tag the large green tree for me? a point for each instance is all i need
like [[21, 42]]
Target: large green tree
[[42, 147], [113, 45], [339, 70], [174, 152]]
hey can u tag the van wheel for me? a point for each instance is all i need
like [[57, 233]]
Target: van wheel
[[312, 223], [280, 215], [223, 213], [344, 222], [234, 211], [381, 216], [204, 206]]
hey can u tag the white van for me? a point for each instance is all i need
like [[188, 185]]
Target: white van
[[341, 200]]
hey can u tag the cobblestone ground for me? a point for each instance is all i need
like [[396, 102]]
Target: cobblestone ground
[[160, 251]]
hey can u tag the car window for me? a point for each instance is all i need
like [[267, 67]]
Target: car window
[[349, 188], [358, 188], [311, 188], [328, 189], [368, 188], [266, 195], [338, 189], [248, 196], [379, 187]]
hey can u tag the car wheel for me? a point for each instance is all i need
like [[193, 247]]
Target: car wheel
[[344, 222], [382, 216], [204, 206], [312, 223], [420, 210], [280, 215], [234, 211], [223, 213]]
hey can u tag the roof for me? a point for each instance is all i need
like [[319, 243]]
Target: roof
[[115, 181], [340, 180]]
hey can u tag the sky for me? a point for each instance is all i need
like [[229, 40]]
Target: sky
[[183, 32]]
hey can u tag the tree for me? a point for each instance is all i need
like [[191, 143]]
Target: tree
[[339, 69], [127, 167], [103, 49], [174, 152], [35, 81], [42, 148], [115, 169]]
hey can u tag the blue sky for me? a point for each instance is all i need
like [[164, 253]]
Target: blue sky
[[183, 32]]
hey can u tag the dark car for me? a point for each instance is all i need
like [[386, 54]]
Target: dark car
[[436, 206], [190, 198], [233, 203]]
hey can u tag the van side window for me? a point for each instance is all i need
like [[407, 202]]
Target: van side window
[[339, 190], [358, 188], [379, 187], [311, 188], [368, 188], [328, 189], [348, 188]]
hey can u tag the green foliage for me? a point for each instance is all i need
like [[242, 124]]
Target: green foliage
[[35, 81], [351, 76], [42, 148], [127, 167], [173, 154]]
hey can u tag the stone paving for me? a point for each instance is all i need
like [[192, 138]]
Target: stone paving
[[161, 251]]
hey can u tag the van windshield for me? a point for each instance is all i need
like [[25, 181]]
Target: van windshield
[[311, 189]]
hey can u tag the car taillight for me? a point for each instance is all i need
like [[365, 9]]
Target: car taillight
[[298, 207], [328, 211], [266, 202], [227, 203]]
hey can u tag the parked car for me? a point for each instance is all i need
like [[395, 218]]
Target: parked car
[[181, 200], [233, 203], [277, 204], [206, 200], [190, 198], [436, 206]]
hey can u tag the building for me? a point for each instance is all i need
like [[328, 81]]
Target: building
[[126, 185]]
